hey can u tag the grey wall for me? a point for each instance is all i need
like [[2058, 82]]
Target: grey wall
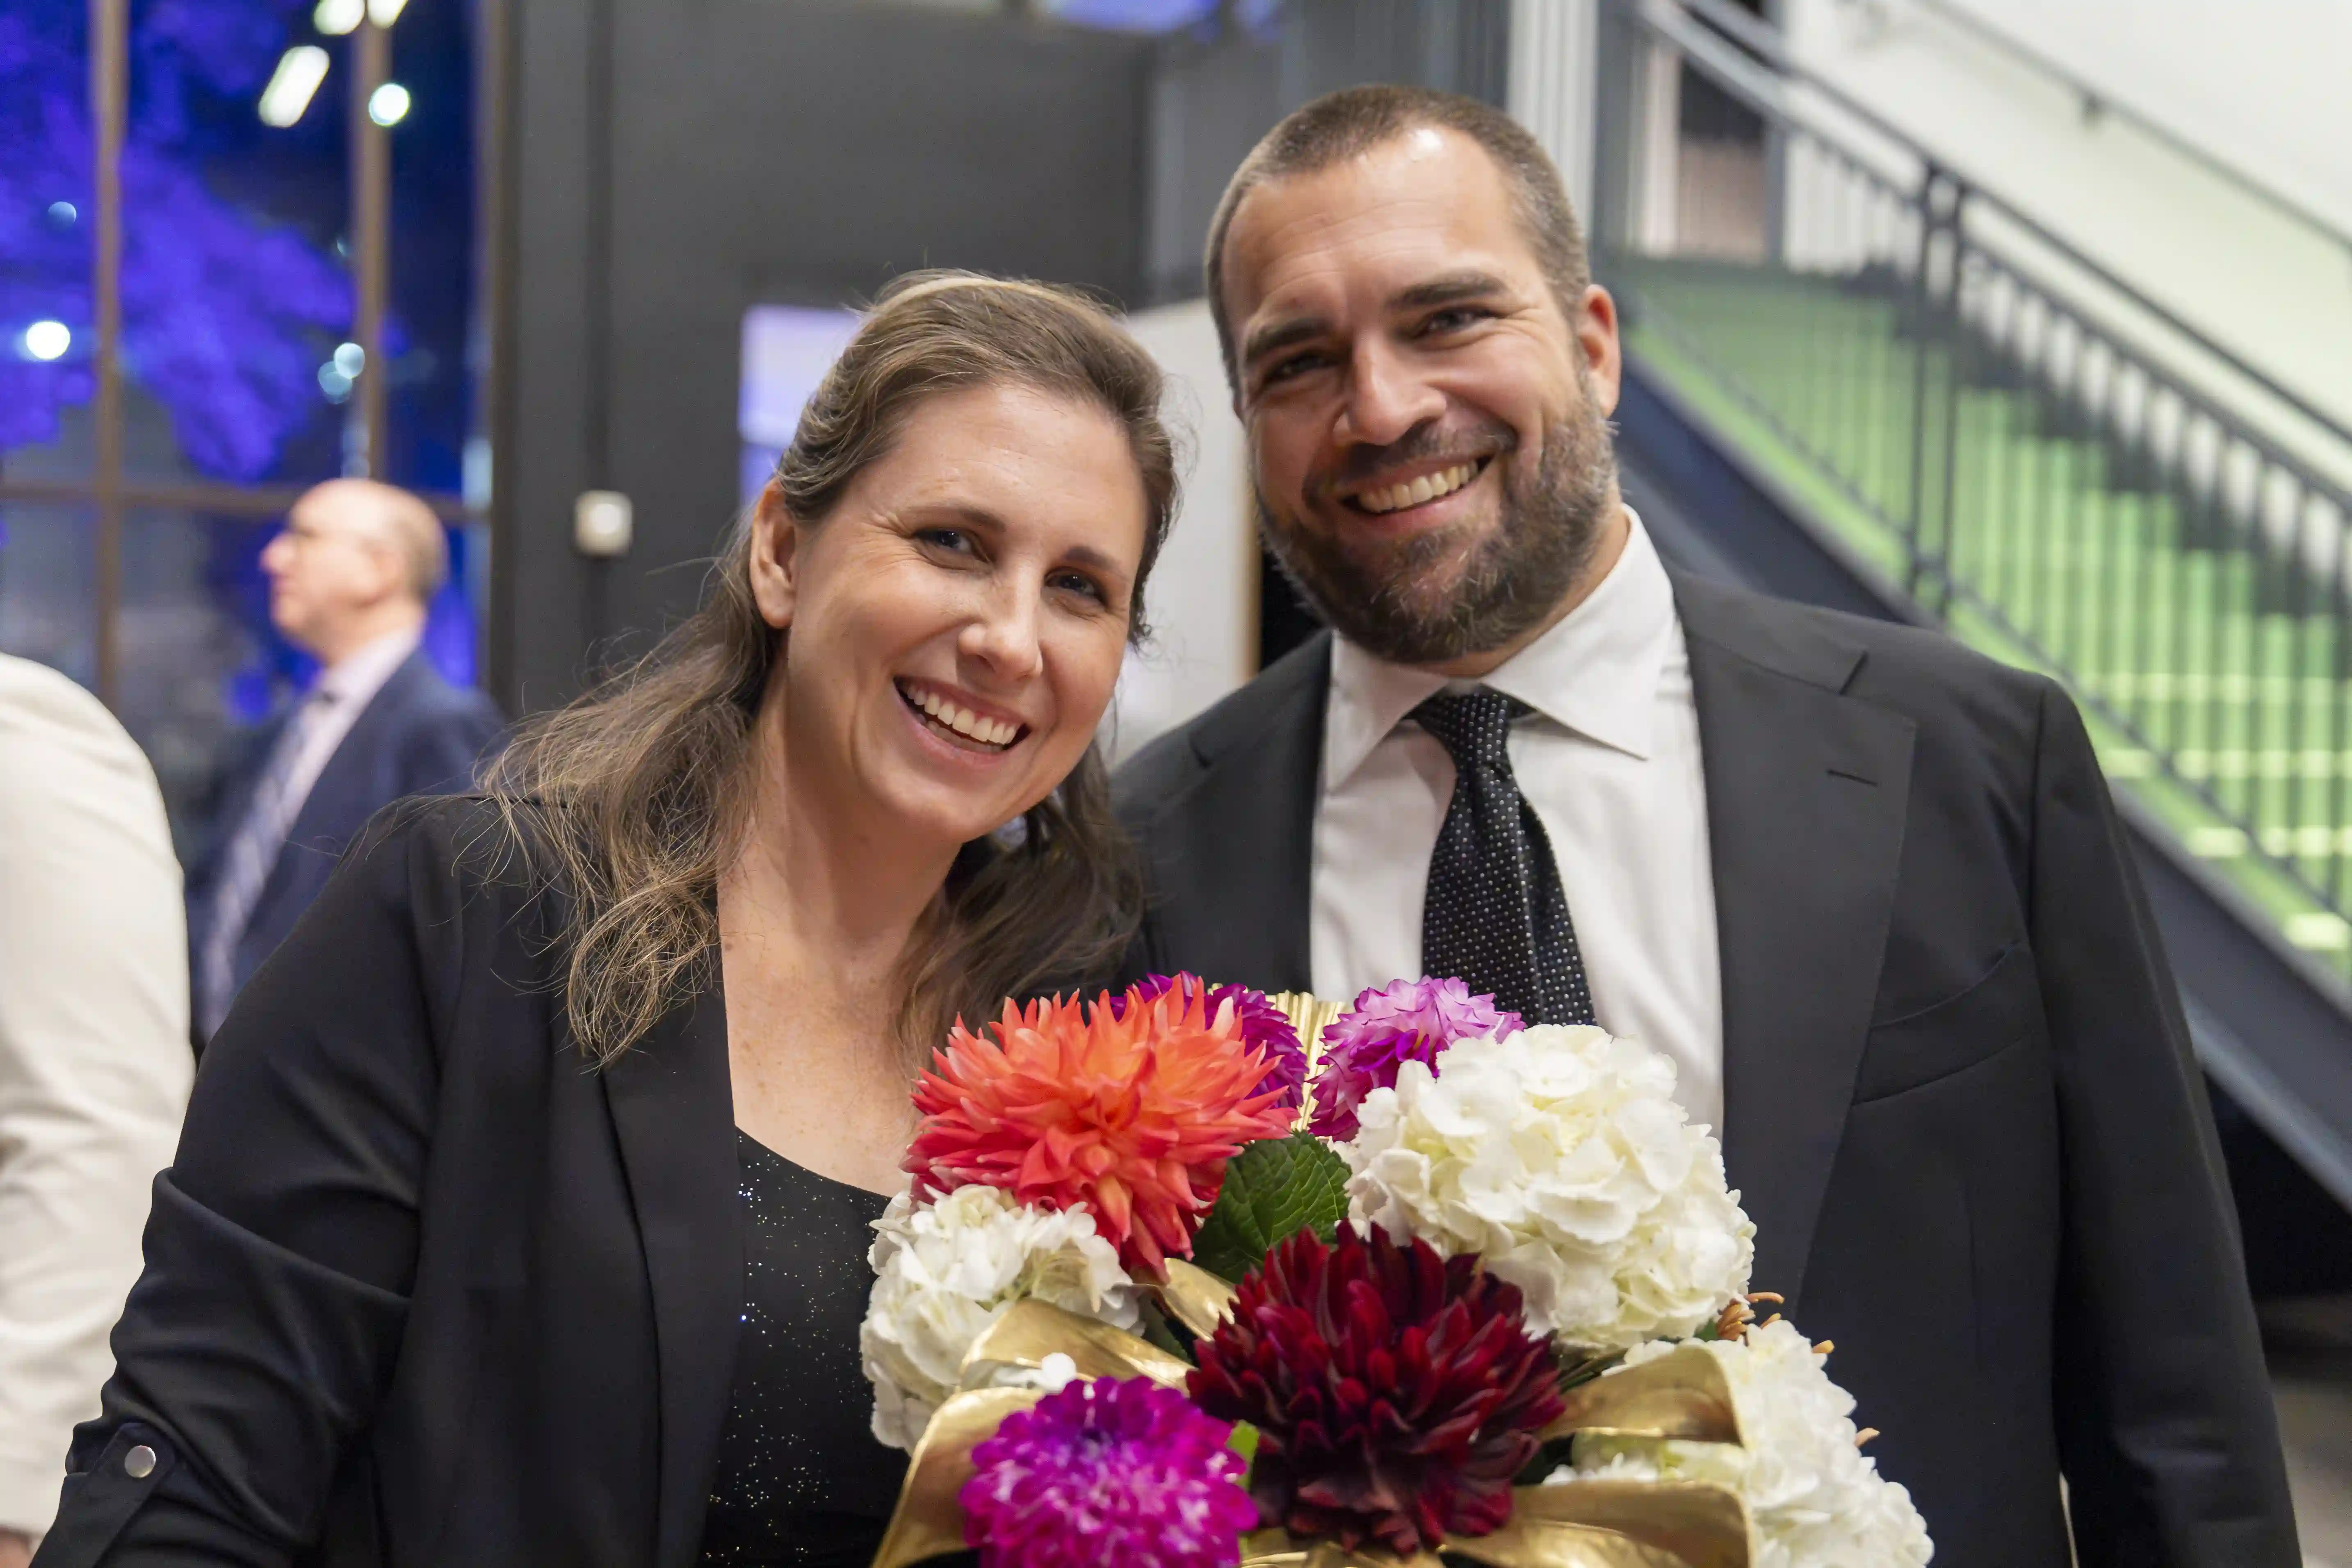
[[673, 162], [676, 161], [1211, 102]]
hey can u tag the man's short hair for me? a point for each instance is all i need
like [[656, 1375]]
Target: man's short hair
[[1340, 125]]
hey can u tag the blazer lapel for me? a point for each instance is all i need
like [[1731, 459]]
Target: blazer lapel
[[1233, 887], [673, 1109], [1806, 791]]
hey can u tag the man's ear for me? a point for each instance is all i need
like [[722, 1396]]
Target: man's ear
[[775, 557], [1595, 330]]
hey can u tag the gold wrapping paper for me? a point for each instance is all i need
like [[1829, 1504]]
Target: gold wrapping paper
[[1195, 1298], [1681, 1394], [929, 1521], [1031, 1329], [1592, 1524], [1310, 1015]]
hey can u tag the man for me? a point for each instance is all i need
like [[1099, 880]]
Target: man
[[349, 578], [94, 1064], [1865, 888]]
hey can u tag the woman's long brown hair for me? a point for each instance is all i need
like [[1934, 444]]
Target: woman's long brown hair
[[633, 798]]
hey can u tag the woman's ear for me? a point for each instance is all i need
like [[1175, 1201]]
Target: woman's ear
[[775, 557]]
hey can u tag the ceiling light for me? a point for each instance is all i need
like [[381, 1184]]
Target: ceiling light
[[384, 12], [47, 340], [351, 359], [63, 213], [300, 71], [336, 17], [388, 105]]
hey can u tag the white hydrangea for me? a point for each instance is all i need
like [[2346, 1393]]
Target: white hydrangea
[[1816, 1500], [1560, 1157], [945, 1270]]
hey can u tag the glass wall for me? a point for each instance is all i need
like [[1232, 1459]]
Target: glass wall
[[236, 258]]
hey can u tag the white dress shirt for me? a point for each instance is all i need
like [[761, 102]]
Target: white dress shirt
[[94, 1057], [1610, 763]]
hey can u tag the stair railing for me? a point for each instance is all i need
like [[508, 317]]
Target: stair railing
[[2174, 546]]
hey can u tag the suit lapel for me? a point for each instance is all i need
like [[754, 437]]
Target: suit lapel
[[1235, 890], [1806, 791], [673, 1108], [324, 824]]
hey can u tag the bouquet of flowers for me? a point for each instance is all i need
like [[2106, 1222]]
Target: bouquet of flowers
[[1191, 1277]]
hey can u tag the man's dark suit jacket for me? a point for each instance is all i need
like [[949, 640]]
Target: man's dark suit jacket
[[1959, 1099], [418, 735]]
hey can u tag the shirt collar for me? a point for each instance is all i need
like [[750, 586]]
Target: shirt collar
[[1595, 672], [359, 674]]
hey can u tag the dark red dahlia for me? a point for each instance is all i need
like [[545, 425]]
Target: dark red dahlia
[[1395, 1392]]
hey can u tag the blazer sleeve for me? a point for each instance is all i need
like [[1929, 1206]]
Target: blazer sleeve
[[2166, 1433], [255, 1347], [94, 1059]]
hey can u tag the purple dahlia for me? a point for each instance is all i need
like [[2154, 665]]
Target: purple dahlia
[[1410, 1021], [1263, 1026], [1396, 1392], [1107, 1471]]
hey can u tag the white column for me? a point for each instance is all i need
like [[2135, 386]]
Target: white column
[[1553, 43]]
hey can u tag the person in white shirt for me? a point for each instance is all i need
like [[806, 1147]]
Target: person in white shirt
[[350, 577], [1864, 887], [94, 1062]]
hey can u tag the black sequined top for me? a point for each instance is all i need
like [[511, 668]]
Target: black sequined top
[[800, 1479]]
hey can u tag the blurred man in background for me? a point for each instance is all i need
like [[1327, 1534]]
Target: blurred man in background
[[94, 1064], [350, 579]]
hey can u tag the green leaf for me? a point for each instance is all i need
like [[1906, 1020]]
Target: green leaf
[[1244, 1442], [1273, 1188]]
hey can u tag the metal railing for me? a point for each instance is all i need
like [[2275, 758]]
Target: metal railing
[[2067, 473]]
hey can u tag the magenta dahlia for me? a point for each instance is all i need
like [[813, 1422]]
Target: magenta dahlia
[[1107, 1471], [1396, 1392], [1408, 1021], [1264, 1026]]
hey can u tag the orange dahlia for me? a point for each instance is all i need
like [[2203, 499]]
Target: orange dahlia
[[1062, 1104]]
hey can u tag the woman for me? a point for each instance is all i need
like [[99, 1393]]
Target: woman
[[521, 1211]]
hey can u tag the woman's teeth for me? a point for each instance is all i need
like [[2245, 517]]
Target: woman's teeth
[[1429, 487], [970, 725]]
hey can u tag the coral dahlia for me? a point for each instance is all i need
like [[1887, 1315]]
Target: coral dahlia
[[1407, 1021], [1134, 1116], [1109, 1471], [1396, 1392], [1264, 1024]]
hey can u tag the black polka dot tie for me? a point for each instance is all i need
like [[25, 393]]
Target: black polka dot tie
[[1495, 915]]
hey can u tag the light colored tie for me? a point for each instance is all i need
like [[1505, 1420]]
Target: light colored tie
[[252, 852]]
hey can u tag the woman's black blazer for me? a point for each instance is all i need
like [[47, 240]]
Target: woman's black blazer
[[422, 1288]]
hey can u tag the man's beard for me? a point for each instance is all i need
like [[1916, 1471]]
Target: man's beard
[[1512, 580]]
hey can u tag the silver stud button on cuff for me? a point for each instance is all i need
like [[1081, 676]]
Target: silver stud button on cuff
[[139, 1463]]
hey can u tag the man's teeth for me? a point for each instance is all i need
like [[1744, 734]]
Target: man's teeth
[[1429, 487], [987, 731]]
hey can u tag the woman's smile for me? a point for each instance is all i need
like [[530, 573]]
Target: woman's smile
[[957, 717]]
